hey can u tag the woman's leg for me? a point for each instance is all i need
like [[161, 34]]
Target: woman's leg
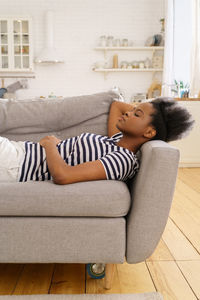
[[12, 154]]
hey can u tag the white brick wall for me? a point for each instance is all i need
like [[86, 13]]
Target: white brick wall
[[77, 27]]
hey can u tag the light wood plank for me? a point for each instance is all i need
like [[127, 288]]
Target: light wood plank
[[191, 173], [134, 278], [187, 217], [9, 274], [190, 177], [68, 279], [34, 279], [176, 242], [194, 171], [191, 270], [161, 252], [188, 192], [169, 281]]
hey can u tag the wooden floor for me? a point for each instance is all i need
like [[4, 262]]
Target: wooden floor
[[173, 269]]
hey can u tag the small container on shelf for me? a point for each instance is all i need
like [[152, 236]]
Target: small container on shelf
[[117, 43], [102, 41], [124, 65], [125, 43], [115, 61], [99, 65], [129, 66], [135, 64], [110, 41], [147, 63], [157, 62], [141, 64]]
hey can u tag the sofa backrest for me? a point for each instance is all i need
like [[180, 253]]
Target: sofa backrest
[[33, 119]]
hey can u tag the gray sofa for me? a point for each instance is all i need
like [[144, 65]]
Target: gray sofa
[[103, 221]]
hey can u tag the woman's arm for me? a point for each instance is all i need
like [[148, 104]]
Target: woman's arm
[[62, 173], [117, 108], [56, 165]]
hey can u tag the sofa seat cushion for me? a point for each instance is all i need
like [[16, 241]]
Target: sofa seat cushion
[[102, 198]]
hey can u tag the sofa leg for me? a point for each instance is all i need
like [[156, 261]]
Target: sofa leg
[[109, 275]]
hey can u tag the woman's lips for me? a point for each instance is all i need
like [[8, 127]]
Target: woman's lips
[[121, 118]]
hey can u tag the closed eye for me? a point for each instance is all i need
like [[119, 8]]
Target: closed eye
[[137, 110]]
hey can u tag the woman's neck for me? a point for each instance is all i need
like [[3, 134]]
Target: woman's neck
[[129, 143]]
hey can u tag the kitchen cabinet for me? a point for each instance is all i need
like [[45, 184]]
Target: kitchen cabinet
[[16, 53], [190, 146]]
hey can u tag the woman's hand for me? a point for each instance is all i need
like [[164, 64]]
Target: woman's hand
[[49, 140]]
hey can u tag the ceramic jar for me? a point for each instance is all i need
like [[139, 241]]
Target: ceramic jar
[[124, 64], [102, 41], [110, 41]]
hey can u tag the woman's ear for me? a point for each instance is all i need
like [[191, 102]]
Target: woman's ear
[[150, 133]]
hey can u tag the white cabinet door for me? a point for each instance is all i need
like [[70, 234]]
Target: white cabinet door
[[16, 44], [190, 146], [4, 41]]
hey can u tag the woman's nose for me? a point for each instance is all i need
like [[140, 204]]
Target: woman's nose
[[127, 113]]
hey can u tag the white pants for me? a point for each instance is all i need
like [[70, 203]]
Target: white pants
[[12, 155]]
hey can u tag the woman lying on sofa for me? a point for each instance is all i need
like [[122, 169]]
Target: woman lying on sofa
[[96, 157]]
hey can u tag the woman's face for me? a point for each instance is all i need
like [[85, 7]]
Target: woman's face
[[137, 122]]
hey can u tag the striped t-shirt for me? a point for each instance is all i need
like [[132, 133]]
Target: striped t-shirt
[[119, 163]]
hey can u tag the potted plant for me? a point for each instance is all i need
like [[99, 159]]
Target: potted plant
[[180, 89]]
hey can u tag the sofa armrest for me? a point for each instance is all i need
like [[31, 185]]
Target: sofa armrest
[[152, 191]]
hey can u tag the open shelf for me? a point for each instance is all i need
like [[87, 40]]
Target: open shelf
[[127, 70], [130, 48], [105, 50]]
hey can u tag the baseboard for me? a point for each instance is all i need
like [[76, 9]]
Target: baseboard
[[189, 164]]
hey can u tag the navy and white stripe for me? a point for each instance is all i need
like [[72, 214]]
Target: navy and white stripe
[[35, 167], [119, 163]]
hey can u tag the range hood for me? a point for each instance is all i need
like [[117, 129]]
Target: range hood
[[49, 54]]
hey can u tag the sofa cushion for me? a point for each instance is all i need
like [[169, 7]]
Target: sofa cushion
[[32, 119], [102, 198]]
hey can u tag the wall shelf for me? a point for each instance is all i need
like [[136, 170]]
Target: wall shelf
[[153, 48], [128, 70], [16, 74], [106, 71]]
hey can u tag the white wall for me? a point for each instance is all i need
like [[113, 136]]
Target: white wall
[[78, 25]]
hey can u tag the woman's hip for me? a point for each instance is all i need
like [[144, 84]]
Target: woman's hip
[[12, 154]]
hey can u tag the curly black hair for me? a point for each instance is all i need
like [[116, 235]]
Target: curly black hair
[[171, 120]]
